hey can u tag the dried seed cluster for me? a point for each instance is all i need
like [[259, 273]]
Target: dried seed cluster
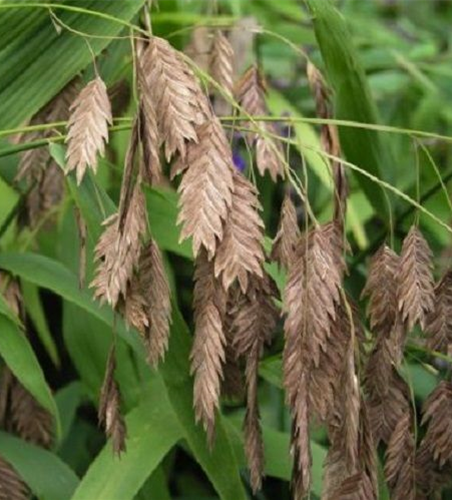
[[330, 376]]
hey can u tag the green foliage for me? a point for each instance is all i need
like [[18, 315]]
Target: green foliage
[[388, 71]]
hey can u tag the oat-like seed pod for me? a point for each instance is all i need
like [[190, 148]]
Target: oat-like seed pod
[[221, 63], [240, 252], [109, 412], [415, 281], [88, 128], [381, 287], [437, 411], [287, 236], [400, 460], [206, 188]]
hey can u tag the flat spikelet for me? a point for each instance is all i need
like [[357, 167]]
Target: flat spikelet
[[287, 236], [240, 252], [175, 94], [386, 410], [206, 188], [109, 412], [355, 487], [437, 411], [415, 281], [381, 287], [250, 93], [88, 128], [208, 350], [118, 251], [400, 461], [156, 292], [438, 328], [11, 485], [221, 63]]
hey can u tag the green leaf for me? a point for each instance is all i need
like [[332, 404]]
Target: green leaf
[[20, 358], [32, 73], [68, 399], [48, 477], [353, 100], [152, 430], [34, 308]]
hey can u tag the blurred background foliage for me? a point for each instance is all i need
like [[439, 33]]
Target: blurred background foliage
[[387, 62]]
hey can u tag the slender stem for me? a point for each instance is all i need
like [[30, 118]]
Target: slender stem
[[401, 218], [312, 121]]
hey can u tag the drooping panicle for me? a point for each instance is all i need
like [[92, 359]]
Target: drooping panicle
[[88, 128], [312, 296]]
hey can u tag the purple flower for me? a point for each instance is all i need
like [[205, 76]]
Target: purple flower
[[239, 161]]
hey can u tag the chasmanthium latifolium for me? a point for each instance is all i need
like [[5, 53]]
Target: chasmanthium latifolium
[[334, 372]]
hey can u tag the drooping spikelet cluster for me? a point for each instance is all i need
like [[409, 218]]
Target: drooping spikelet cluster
[[360, 395]]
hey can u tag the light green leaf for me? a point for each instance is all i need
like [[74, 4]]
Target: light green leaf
[[48, 477], [152, 430], [20, 358], [353, 100], [32, 73]]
